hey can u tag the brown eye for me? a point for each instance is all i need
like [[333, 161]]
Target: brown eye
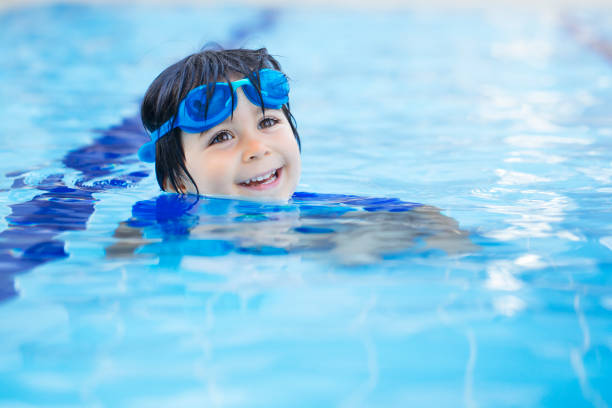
[[267, 122], [221, 137]]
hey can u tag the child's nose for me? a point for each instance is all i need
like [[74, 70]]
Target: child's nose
[[254, 148]]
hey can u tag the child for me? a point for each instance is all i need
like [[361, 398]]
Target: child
[[220, 125]]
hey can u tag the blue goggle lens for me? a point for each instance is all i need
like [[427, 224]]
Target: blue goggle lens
[[195, 103], [274, 90]]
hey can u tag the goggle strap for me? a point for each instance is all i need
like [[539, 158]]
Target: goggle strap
[[162, 130]]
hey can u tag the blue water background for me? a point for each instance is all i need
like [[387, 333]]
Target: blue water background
[[500, 118]]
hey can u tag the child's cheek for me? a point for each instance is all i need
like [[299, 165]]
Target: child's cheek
[[216, 175]]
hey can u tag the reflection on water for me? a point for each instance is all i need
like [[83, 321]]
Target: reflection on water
[[555, 162], [350, 229], [230, 303]]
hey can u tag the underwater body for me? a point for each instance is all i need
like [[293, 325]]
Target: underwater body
[[450, 244]]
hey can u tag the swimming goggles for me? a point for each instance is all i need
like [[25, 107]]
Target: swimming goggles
[[193, 118]]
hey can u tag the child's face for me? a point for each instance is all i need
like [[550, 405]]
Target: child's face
[[227, 159]]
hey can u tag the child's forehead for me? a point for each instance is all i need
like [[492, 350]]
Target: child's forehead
[[235, 76]]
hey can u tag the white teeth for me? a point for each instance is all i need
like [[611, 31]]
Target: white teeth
[[260, 178]]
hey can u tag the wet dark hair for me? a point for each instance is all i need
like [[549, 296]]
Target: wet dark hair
[[162, 99]]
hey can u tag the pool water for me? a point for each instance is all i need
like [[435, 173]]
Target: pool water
[[451, 244]]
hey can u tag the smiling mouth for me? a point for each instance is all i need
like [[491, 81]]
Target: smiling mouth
[[264, 181]]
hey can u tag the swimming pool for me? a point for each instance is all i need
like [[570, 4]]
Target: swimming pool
[[116, 295]]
